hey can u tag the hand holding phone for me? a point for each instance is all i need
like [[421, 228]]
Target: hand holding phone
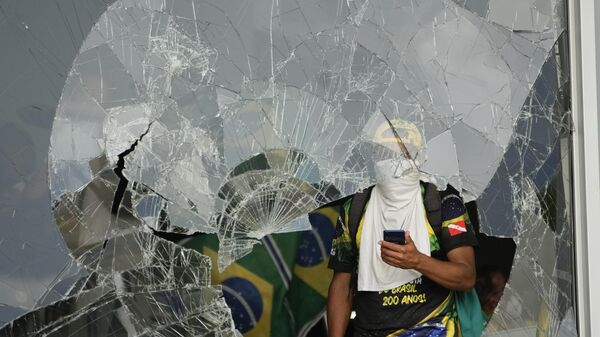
[[395, 236]]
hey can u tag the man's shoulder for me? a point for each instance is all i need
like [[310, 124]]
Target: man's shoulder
[[452, 204], [449, 195], [448, 201]]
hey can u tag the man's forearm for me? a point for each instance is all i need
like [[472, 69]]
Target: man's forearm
[[458, 273], [339, 305], [452, 275]]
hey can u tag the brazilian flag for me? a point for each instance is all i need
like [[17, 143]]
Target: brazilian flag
[[280, 288], [308, 291]]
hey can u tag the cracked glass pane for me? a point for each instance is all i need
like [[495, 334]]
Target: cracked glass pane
[[242, 122]]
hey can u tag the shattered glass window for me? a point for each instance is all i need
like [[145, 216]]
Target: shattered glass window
[[154, 152]]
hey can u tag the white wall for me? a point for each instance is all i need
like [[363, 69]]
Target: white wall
[[584, 30]]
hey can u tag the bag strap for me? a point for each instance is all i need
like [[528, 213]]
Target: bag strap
[[431, 200], [357, 207], [433, 207]]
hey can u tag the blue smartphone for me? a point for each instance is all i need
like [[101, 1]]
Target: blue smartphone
[[394, 235]]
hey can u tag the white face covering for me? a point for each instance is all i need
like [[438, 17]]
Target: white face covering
[[395, 203]]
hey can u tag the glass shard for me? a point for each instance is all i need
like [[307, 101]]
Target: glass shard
[[240, 118]]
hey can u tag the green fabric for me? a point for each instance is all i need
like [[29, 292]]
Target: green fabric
[[274, 319], [291, 303], [472, 319], [306, 305]]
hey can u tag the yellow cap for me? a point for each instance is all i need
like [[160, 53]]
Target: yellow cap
[[408, 132]]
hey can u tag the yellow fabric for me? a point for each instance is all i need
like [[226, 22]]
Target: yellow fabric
[[263, 326]]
